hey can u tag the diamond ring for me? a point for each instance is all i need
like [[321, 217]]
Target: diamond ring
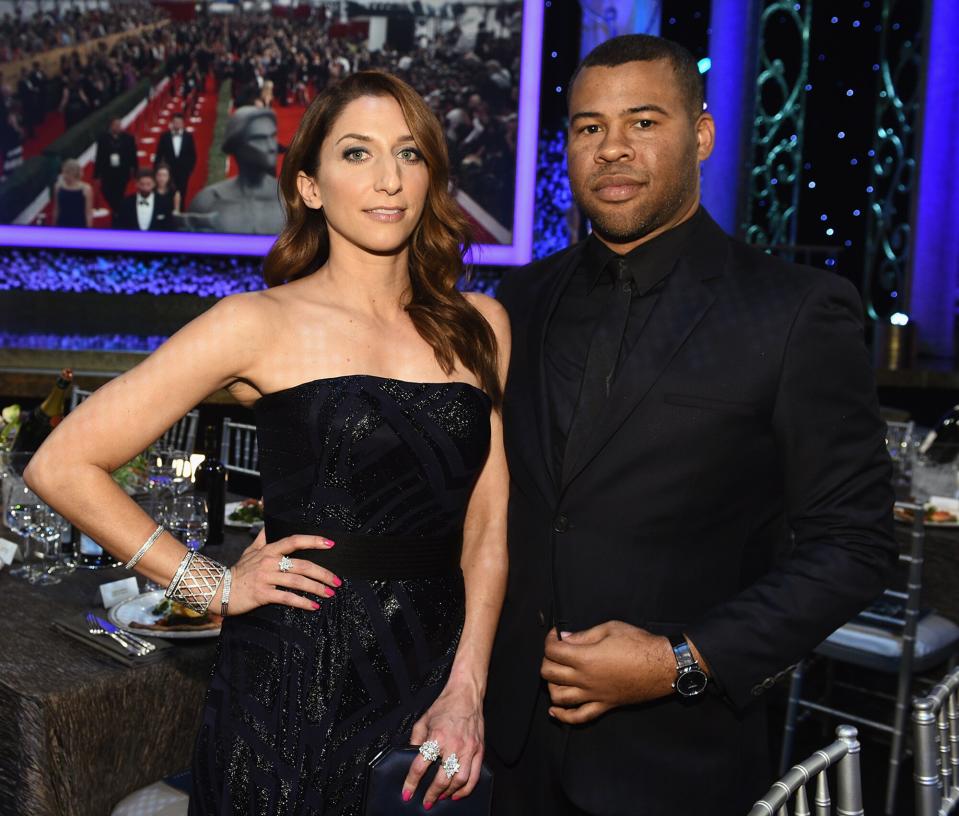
[[430, 750], [286, 564], [451, 765]]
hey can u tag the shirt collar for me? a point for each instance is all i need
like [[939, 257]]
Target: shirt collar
[[649, 263]]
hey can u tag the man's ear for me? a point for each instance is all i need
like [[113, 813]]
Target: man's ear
[[309, 191]]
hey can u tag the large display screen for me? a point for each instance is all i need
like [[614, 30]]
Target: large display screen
[[161, 127]]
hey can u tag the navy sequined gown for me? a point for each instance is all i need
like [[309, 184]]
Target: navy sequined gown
[[300, 701]]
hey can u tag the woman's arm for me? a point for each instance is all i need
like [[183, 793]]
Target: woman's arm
[[176, 201], [71, 471], [455, 720]]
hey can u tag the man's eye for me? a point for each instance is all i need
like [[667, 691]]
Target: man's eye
[[645, 123], [591, 129]]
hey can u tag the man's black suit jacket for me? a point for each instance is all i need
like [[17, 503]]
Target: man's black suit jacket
[[735, 489], [126, 217], [126, 148], [180, 166]]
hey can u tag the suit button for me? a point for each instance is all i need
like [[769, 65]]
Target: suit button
[[561, 523], [757, 690], [541, 616]]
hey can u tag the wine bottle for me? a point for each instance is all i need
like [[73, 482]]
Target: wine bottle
[[941, 445], [38, 424], [210, 481]]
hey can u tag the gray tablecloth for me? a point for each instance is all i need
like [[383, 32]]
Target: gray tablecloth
[[78, 731]]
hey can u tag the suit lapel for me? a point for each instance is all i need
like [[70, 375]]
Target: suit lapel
[[545, 303], [689, 292]]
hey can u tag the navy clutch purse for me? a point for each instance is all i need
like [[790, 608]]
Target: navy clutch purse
[[384, 786]]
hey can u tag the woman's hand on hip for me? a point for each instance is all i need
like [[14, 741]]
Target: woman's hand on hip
[[258, 579]]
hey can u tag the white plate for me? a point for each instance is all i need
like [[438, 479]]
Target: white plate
[[928, 523], [230, 507], [138, 609]]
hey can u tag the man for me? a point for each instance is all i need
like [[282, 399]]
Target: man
[[144, 210], [178, 150], [115, 164], [700, 489]]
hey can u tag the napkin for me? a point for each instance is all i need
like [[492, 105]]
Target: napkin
[[76, 626]]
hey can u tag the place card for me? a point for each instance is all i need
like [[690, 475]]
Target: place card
[[8, 552], [114, 592]]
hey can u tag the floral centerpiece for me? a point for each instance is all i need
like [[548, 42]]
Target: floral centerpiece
[[9, 425]]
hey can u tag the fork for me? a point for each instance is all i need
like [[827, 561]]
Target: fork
[[95, 629]]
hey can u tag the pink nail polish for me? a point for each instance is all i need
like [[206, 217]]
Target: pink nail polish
[[427, 805], [315, 605], [338, 581], [441, 798], [331, 543], [407, 795], [329, 593]]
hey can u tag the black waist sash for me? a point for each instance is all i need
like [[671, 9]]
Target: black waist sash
[[357, 555]]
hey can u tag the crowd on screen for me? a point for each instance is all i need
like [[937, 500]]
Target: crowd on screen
[[56, 28], [469, 80]]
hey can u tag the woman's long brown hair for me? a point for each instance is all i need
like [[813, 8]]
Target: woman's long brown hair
[[440, 313]]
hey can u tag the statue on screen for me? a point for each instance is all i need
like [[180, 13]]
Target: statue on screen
[[248, 202]]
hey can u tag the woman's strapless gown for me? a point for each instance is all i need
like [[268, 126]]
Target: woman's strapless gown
[[300, 701]]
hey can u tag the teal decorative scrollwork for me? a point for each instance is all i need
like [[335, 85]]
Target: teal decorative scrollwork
[[892, 170], [776, 167]]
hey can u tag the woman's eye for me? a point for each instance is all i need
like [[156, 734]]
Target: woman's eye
[[355, 155], [410, 155]]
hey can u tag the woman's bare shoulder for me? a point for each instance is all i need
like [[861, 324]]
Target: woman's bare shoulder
[[492, 310]]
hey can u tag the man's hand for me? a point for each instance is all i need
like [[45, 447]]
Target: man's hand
[[611, 665]]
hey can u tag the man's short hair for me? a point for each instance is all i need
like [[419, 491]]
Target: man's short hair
[[647, 48], [178, 115], [145, 171]]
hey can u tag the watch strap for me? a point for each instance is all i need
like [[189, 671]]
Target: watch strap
[[684, 655]]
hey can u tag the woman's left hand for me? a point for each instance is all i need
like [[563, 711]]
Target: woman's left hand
[[455, 721]]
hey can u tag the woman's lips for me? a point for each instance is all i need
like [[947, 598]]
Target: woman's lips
[[387, 215]]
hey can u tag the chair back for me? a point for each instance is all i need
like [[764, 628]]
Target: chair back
[[182, 436], [238, 447], [844, 755], [77, 395], [935, 721]]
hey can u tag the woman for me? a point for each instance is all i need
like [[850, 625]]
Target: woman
[[166, 189], [376, 386], [72, 197]]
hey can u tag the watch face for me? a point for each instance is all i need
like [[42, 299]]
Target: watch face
[[691, 683]]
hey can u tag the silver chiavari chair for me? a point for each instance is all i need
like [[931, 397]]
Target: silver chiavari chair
[[935, 721], [843, 754], [238, 447]]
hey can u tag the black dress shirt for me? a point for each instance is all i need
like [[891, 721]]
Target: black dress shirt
[[574, 319]]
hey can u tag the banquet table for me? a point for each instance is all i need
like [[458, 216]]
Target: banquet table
[[79, 731]]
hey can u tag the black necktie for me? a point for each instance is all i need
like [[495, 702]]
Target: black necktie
[[601, 360]]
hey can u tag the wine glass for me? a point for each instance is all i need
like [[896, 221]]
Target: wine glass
[[160, 469], [187, 520], [46, 531], [182, 470], [22, 504]]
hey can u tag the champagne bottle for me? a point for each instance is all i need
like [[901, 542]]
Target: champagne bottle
[[38, 424], [210, 481], [941, 445]]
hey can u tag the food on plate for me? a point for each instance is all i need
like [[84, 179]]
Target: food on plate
[[250, 511], [933, 515], [175, 617]]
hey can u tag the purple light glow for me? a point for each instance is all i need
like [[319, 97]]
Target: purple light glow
[[518, 253]]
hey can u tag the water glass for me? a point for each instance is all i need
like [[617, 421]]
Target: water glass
[[46, 532], [22, 504], [187, 520]]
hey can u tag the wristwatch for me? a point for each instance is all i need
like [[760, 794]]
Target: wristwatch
[[690, 679]]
